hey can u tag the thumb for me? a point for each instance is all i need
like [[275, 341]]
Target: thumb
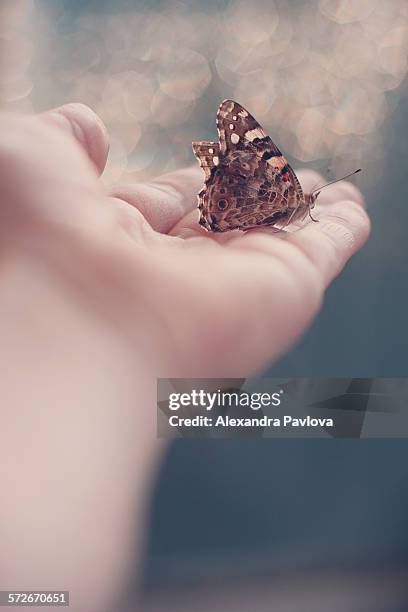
[[86, 127], [47, 176]]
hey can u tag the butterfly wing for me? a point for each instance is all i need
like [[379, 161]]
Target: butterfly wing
[[248, 182], [238, 130], [230, 200], [208, 155]]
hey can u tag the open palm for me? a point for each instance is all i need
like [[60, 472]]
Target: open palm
[[199, 303]]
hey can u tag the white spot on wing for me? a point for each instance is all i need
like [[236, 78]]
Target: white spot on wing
[[216, 160], [231, 126], [234, 138], [235, 117], [211, 150], [252, 134]]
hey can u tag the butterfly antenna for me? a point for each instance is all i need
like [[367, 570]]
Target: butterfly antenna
[[336, 180], [314, 187]]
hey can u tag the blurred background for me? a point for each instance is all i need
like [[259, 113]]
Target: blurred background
[[328, 81]]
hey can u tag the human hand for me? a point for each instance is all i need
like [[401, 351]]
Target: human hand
[[204, 304], [99, 295], [251, 282]]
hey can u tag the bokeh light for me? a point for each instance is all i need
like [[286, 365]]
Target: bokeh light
[[323, 77]]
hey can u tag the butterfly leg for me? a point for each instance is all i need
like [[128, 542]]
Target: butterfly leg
[[276, 230], [289, 219], [310, 215]]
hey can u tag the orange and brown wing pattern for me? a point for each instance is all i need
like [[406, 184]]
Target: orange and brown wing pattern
[[208, 155], [237, 129], [249, 183], [230, 201]]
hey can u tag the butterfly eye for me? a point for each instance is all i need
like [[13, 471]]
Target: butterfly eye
[[222, 204]]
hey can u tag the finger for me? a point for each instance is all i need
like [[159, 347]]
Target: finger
[[166, 200], [46, 178], [86, 127], [309, 179], [343, 190], [329, 244], [340, 192]]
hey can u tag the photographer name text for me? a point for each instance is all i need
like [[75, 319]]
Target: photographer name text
[[227, 421]]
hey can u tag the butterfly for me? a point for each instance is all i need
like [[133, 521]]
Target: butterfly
[[248, 182]]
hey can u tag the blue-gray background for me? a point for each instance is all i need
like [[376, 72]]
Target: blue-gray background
[[270, 505]]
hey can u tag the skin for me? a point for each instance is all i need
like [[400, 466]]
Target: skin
[[101, 293]]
